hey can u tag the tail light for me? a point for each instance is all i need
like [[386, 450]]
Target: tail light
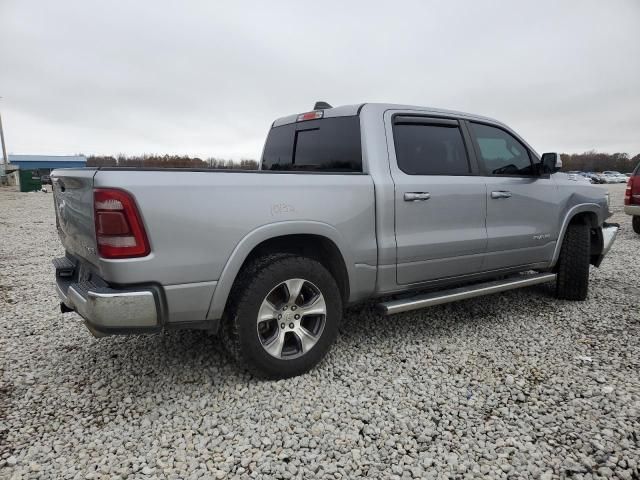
[[632, 193], [119, 229]]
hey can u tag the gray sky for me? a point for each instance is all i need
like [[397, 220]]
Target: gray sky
[[207, 79]]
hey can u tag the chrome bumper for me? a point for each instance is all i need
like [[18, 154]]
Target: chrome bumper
[[632, 209], [609, 233], [107, 310]]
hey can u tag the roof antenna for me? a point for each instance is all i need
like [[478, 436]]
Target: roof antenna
[[321, 106]]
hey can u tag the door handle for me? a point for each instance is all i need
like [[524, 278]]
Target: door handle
[[416, 196], [500, 194]]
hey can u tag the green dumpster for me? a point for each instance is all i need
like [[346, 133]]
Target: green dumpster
[[30, 180]]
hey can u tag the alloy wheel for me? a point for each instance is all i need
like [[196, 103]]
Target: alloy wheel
[[291, 318]]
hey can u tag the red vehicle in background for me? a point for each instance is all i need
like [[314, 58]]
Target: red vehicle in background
[[632, 199]]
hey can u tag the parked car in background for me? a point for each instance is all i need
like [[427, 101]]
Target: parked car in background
[[602, 178], [351, 203], [611, 176], [578, 176], [591, 176], [632, 199]]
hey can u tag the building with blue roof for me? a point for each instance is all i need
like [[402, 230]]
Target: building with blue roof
[[46, 163]]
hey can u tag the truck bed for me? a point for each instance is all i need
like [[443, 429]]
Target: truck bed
[[196, 219]]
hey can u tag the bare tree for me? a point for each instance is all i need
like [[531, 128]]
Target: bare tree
[[168, 161], [593, 161]]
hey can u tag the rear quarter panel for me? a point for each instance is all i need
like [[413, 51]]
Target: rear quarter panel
[[196, 220]]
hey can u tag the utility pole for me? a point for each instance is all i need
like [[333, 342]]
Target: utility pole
[[5, 160]]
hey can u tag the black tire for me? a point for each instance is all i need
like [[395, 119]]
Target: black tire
[[254, 284], [635, 222], [573, 264]]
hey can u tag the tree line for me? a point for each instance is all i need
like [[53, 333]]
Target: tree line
[[591, 161], [169, 161]]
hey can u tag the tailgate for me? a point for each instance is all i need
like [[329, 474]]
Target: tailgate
[[73, 199]]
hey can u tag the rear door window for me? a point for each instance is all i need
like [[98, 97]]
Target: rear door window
[[324, 145], [434, 147]]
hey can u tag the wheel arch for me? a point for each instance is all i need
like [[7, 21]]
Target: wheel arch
[[313, 239], [586, 214]]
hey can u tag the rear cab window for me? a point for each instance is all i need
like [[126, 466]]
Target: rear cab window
[[323, 145], [430, 146]]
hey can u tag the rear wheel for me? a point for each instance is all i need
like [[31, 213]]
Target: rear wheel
[[636, 223], [283, 316], [573, 264]]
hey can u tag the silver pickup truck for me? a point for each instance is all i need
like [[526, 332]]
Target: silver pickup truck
[[416, 206]]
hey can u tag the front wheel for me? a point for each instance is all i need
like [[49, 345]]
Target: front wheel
[[283, 316], [573, 264], [635, 222]]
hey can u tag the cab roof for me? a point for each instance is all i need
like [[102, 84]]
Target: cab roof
[[351, 110]]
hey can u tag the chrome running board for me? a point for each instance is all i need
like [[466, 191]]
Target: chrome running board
[[462, 293]]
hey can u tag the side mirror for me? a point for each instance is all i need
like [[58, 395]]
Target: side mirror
[[551, 162]]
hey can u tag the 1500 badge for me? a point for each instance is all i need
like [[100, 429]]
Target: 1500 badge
[[542, 236], [282, 209]]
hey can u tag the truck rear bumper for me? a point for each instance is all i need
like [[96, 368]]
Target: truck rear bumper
[[632, 209], [108, 310]]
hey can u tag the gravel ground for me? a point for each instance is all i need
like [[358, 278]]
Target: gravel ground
[[517, 385]]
